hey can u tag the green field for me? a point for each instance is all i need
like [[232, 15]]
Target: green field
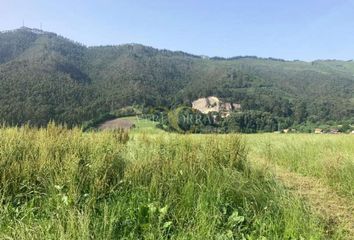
[[57, 183], [144, 126]]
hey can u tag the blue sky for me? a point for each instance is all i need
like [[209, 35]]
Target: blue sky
[[289, 29]]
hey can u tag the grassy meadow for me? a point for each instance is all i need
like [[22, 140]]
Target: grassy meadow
[[57, 183], [330, 158]]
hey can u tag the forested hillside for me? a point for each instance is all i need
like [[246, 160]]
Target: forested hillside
[[46, 77]]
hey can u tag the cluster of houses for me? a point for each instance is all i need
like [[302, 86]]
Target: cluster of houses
[[321, 131], [214, 104], [317, 131], [332, 131]]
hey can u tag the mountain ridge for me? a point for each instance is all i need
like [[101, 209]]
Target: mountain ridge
[[39, 31], [44, 76]]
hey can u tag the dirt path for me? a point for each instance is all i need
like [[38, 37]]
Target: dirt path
[[322, 199]]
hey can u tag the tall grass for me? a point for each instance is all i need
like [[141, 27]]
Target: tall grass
[[65, 184], [327, 157]]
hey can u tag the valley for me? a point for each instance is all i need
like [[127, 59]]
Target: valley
[[132, 142]]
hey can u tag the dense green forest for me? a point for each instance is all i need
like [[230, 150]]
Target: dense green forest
[[46, 77]]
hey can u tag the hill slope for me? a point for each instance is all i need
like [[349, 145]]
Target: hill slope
[[44, 76]]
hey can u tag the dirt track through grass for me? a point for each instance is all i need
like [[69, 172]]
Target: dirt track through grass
[[322, 199]]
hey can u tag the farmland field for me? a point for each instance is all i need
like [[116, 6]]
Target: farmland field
[[329, 158], [57, 183], [319, 168]]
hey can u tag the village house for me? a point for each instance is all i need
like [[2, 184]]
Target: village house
[[318, 131], [334, 131], [207, 105], [236, 106]]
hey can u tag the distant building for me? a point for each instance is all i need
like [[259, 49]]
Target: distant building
[[286, 130], [334, 131], [352, 132], [318, 131], [227, 107], [207, 105], [236, 106]]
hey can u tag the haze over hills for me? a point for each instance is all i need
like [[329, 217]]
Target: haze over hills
[[46, 77]]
